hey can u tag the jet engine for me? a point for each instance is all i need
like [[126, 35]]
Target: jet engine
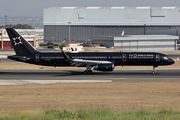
[[104, 67]]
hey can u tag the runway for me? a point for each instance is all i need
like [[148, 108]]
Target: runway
[[12, 77]]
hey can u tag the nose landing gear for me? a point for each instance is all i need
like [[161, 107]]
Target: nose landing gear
[[153, 72]]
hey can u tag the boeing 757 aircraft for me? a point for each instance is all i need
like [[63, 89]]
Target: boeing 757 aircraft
[[102, 61]]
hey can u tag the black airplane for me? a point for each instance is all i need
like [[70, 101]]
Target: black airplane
[[102, 61]]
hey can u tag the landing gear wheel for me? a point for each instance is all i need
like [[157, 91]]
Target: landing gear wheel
[[85, 72], [88, 72]]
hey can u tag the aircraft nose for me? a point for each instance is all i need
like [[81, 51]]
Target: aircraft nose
[[171, 61]]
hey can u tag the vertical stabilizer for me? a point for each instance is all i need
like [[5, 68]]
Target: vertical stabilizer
[[20, 45], [122, 34]]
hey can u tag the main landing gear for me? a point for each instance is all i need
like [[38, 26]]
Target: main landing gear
[[88, 69], [88, 72]]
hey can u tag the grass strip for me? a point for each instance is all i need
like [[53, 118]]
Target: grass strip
[[103, 114]]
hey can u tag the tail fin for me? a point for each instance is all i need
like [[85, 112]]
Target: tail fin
[[20, 45], [72, 49], [122, 34]]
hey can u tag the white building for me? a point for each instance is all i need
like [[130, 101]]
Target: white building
[[139, 42], [82, 23], [73, 45]]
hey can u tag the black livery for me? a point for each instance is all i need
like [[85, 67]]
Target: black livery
[[102, 61]]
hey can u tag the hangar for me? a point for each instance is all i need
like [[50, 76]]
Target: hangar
[[82, 23], [139, 42]]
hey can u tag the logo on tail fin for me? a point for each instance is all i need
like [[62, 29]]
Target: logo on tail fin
[[17, 41]]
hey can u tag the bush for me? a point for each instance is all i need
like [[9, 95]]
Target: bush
[[99, 114], [62, 45]]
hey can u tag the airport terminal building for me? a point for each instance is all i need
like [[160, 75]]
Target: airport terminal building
[[82, 23]]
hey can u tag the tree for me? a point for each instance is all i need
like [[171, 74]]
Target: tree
[[18, 26], [62, 45]]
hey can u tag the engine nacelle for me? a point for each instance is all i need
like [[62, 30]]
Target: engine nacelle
[[104, 67]]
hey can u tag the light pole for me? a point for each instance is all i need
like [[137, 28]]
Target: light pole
[[69, 30], [6, 19]]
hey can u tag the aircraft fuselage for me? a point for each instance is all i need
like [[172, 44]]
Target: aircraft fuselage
[[117, 58]]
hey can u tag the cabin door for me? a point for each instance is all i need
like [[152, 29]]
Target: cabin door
[[124, 57], [157, 57]]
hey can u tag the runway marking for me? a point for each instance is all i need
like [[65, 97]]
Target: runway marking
[[117, 78], [3, 56], [65, 81], [21, 82], [149, 79]]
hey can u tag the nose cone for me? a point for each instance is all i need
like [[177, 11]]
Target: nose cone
[[171, 61]]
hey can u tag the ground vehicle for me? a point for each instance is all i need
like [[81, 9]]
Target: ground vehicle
[[50, 45]]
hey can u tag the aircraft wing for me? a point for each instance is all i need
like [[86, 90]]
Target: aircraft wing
[[81, 62]]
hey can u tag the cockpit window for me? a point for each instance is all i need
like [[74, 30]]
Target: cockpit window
[[166, 58]]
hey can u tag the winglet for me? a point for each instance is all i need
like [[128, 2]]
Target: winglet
[[65, 56]]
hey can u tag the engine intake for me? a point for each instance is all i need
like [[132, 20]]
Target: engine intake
[[104, 67]]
